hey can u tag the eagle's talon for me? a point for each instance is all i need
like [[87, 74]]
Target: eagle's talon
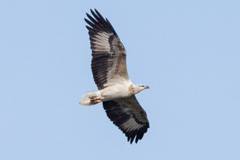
[[95, 100]]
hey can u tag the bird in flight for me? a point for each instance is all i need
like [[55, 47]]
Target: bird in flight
[[115, 89]]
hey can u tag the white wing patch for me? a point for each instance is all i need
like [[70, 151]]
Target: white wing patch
[[101, 42], [131, 125]]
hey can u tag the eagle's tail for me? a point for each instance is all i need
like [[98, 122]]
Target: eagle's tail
[[90, 98]]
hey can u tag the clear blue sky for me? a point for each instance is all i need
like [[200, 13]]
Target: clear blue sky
[[188, 52]]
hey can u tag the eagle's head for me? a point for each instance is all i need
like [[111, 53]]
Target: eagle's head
[[138, 88]]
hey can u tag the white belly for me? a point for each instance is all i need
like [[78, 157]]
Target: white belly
[[115, 92]]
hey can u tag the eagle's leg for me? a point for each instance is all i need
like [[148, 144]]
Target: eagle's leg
[[95, 100]]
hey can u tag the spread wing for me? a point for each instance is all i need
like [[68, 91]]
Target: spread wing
[[108, 53], [129, 116]]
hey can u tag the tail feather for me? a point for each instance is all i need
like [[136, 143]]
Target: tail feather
[[86, 98]]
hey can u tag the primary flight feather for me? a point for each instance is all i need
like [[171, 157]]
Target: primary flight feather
[[115, 89]]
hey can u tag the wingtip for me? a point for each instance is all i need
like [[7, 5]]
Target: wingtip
[[97, 11], [131, 139], [92, 11]]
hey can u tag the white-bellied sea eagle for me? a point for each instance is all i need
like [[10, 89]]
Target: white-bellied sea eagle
[[115, 89]]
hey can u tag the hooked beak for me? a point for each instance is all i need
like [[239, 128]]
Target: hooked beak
[[147, 87]]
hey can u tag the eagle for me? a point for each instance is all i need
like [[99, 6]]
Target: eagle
[[115, 89]]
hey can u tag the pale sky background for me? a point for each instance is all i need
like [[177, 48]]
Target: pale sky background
[[188, 52]]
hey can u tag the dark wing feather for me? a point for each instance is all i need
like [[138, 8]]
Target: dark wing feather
[[129, 116], [108, 53]]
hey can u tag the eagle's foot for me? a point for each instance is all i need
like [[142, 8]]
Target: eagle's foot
[[95, 100]]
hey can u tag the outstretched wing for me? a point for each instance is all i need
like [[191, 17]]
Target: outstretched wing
[[108, 53], [129, 116]]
